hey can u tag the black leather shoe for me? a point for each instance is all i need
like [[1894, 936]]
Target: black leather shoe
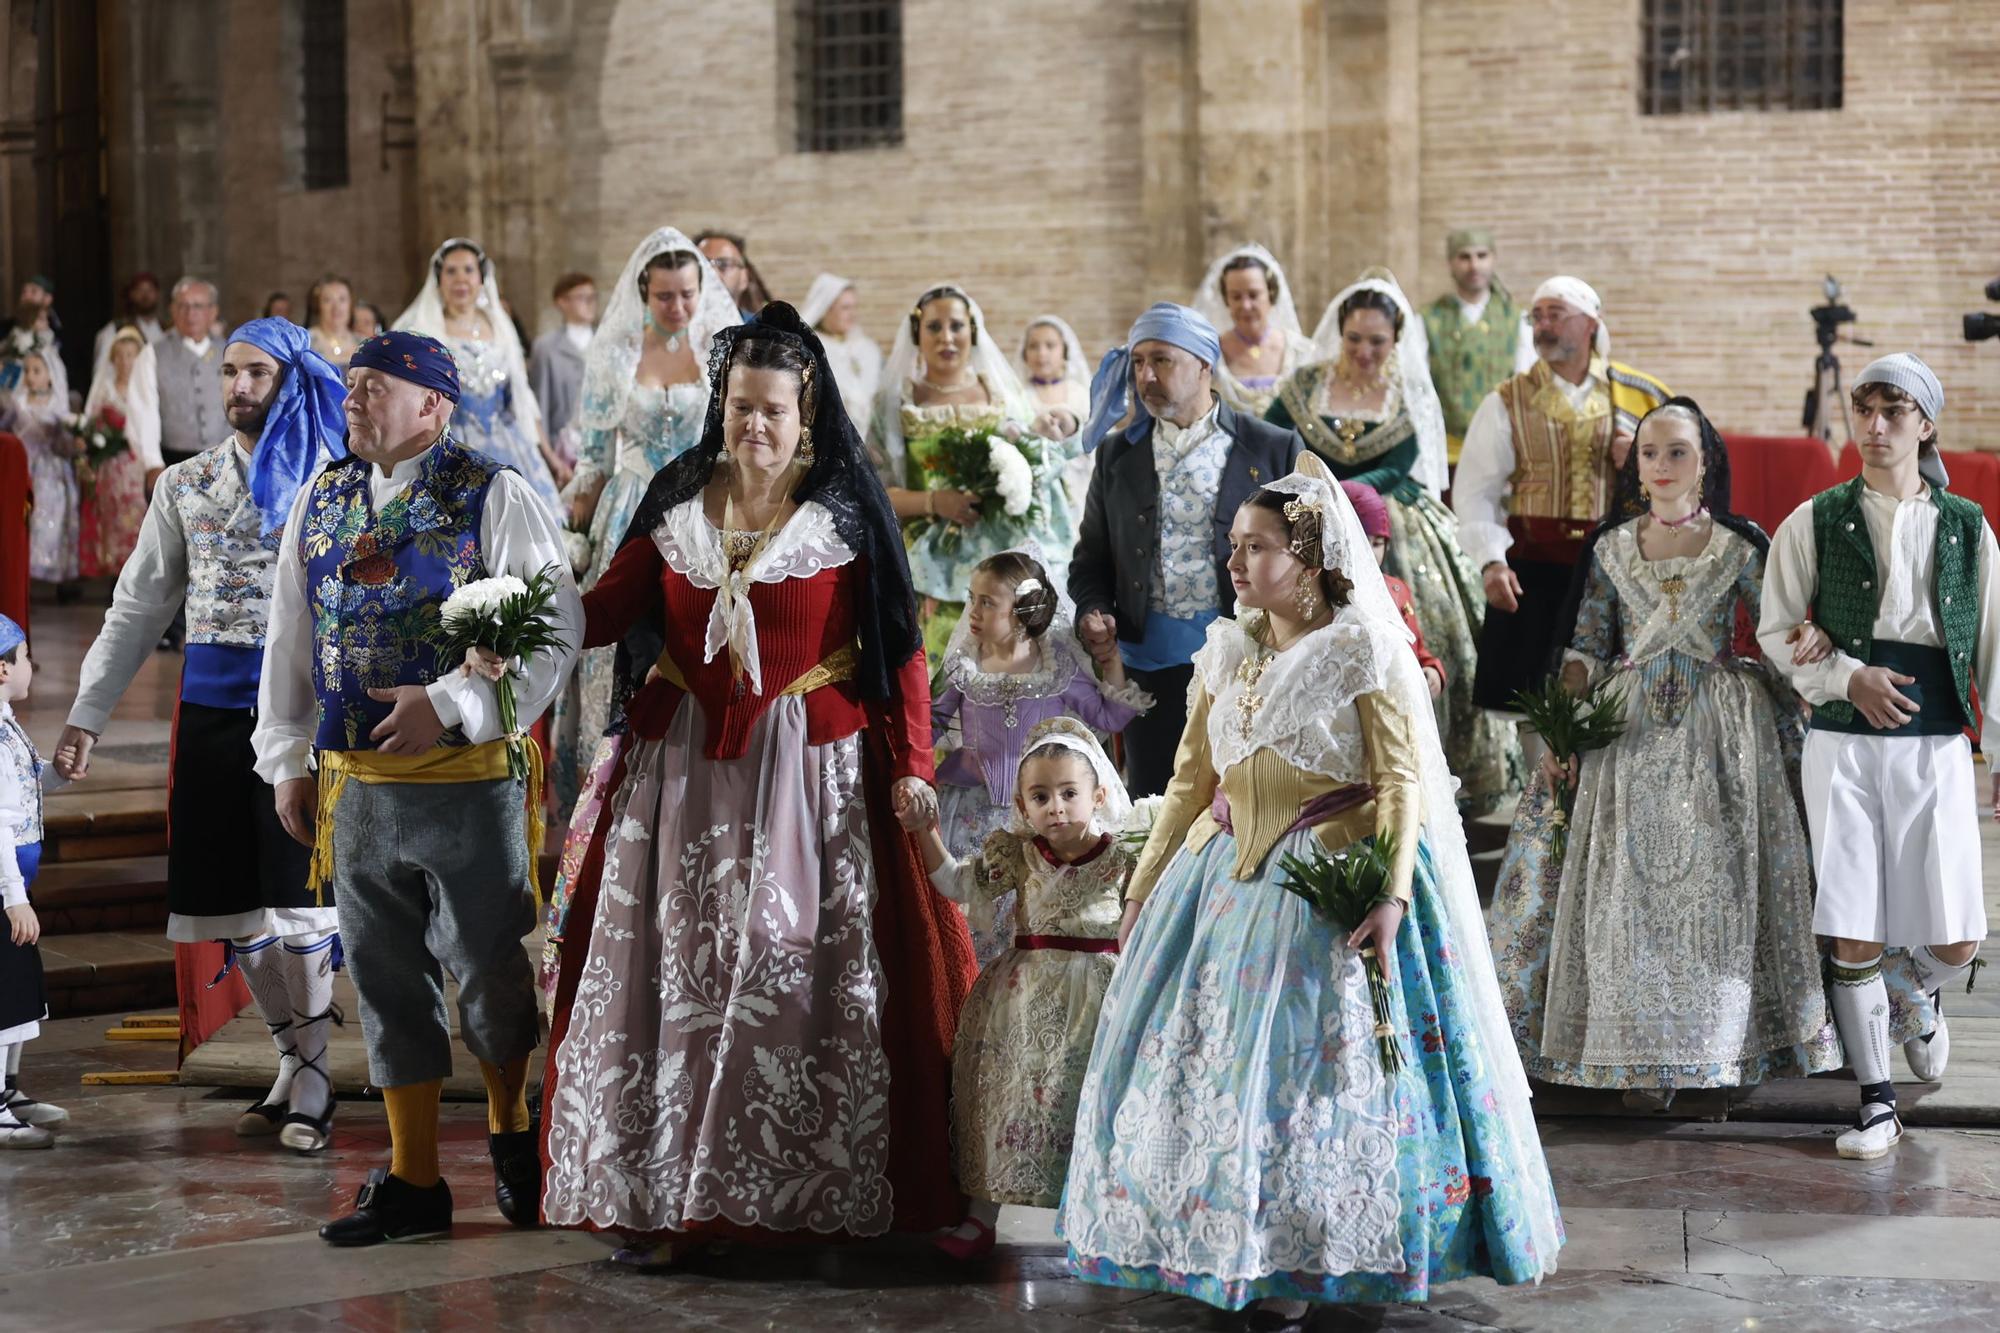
[[389, 1209], [517, 1176]]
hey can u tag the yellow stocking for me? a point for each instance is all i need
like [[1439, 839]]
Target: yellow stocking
[[506, 1095], [413, 1132]]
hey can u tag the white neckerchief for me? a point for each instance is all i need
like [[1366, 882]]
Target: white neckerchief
[[1471, 311], [578, 335], [1181, 440], [200, 349]]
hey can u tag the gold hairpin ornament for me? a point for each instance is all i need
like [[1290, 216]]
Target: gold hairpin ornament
[[1298, 509]]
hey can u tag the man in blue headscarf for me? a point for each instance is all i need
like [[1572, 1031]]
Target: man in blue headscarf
[[1150, 570], [210, 542]]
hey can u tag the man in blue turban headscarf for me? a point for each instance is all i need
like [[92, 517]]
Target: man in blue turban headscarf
[[1173, 463], [210, 543]]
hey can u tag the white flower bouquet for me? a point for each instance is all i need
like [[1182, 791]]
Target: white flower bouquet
[[1001, 473], [508, 617]]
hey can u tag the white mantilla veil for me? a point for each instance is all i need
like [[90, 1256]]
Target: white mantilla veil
[[989, 361], [1076, 369], [1073, 735], [1345, 546], [612, 360], [1432, 469], [1208, 297], [425, 315]]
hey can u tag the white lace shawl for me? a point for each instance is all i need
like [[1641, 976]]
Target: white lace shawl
[[1308, 717], [807, 545]]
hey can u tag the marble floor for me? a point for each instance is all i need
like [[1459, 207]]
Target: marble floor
[[150, 1214]]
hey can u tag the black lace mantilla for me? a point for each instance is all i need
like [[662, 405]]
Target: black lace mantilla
[[840, 480]]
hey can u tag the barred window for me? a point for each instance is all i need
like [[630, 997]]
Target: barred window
[[1739, 55], [849, 62], [323, 98]]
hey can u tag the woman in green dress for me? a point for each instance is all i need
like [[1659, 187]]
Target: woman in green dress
[[1367, 406], [947, 377]]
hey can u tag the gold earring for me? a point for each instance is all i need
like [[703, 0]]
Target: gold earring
[[805, 444], [1304, 598]]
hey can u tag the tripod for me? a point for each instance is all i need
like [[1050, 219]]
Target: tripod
[[1826, 405]]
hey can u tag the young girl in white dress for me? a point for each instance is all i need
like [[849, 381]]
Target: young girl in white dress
[[1024, 1035]]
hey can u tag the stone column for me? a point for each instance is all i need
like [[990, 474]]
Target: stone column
[[453, 101]]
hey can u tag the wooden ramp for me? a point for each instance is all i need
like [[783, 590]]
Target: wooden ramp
[[241, 1055]]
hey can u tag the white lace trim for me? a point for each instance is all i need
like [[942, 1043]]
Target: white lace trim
[[806, 546], [1307, 714]]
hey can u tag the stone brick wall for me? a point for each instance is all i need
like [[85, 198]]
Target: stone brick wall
[[1019, 174], [1708, 235]]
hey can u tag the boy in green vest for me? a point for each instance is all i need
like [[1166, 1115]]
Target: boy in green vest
[[1898, 573]]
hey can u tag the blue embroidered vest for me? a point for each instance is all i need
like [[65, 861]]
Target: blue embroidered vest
[[375, 582]]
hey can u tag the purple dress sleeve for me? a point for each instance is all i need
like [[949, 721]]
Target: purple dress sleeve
[[1088, 702]]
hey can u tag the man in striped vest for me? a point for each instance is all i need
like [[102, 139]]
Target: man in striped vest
[[1535, 477], [1898, 573]]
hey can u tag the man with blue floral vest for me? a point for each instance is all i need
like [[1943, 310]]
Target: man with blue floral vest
[[414, 816], [1898, 573]]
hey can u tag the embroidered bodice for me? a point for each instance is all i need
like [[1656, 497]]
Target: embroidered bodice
[[1081, 899], [1299, 704], [486, 389], [995, 710], [1655, 623], [661, 423]]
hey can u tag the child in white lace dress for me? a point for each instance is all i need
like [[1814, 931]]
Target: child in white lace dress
[[1025, 1033]]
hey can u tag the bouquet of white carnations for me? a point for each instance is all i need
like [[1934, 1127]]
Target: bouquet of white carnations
[[509, 618], [999, 472]]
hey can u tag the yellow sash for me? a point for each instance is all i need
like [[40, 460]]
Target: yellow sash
[[461, 763], [841, 666]]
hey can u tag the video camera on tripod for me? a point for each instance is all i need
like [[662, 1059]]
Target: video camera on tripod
[[1983, 324], [1825, 404]]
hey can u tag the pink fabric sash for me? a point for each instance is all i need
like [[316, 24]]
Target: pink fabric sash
[[1316, 811]]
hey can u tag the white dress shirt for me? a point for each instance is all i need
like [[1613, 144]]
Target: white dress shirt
[[1471, 312], [517, 535], [1484, 480], [1904, 536]]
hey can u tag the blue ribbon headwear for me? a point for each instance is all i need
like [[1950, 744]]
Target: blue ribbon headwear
[[1111, 387], [305, 418], [12, 636], [422, 360]]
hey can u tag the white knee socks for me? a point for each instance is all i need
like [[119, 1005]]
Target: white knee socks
[[1861, 1013], [309, 975], [263, 960], [1933, 973]]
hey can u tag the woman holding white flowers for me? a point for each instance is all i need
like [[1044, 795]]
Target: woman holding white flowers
[[1241, 1136], [950, 409], [753, 1019]]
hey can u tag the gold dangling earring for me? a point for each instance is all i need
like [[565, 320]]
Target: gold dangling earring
[[1304, 598], [806, 445]]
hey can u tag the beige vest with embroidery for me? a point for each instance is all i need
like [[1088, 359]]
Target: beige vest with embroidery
[[1560, 451]]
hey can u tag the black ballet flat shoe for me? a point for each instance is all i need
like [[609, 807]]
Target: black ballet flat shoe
[[389, 1209], [517, 1176], [1271, 1321], [262, 1119], [307, 1134]]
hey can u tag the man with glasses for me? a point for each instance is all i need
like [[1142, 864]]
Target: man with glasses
[[189, 361], [726, 254], [1535, 477]]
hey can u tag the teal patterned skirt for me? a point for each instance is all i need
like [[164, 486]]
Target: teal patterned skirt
[[1237, 1139]]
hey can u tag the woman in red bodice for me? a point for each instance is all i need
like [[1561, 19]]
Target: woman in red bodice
[[758, 988]]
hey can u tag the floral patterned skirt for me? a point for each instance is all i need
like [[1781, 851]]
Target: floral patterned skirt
[[111, 515], [1236, 1138], [724, 1057]]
